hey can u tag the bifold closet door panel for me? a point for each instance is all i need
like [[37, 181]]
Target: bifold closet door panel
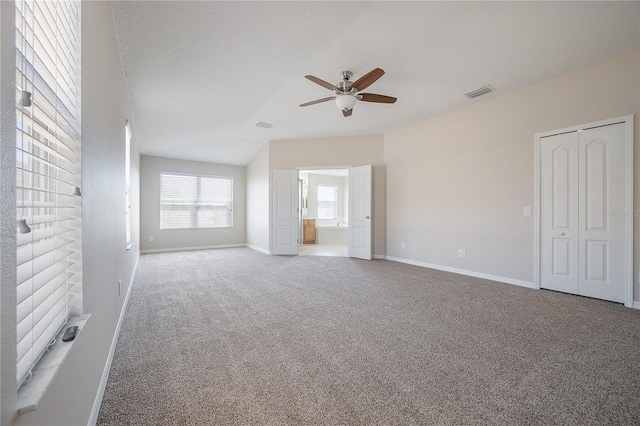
[[602, 196], [559, 193]]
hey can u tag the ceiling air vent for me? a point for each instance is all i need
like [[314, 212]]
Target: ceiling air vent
[[264, 125], [479, 91]]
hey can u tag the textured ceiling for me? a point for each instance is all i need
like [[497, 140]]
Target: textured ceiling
[[201, 74]]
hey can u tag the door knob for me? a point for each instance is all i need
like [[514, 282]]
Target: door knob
[[562, 233], [367, 217]]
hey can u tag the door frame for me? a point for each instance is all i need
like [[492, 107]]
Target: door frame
[[627, 120], [302, 169]]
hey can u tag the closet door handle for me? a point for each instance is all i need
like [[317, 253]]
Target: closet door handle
[[562, 233]]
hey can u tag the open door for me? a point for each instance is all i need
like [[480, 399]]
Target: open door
[[284, 212], [360, 212]]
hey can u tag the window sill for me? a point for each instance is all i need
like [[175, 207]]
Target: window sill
[[32, 391]]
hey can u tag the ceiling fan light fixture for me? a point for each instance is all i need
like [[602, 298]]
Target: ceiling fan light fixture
[[346, 101]]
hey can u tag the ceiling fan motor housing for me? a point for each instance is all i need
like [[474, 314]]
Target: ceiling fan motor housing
[[344, 87]]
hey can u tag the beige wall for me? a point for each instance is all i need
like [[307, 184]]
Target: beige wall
[[336, 152], [258, 201], [461, 180], [151, 167]]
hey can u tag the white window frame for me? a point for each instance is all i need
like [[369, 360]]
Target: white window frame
[[127, 184], [197, 203], [335, 201]]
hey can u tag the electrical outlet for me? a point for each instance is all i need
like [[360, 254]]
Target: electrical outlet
[[119, 287], [403, 246], [462, 253], [150, 237], [526, 211]]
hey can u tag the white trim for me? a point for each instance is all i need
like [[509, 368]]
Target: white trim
[[627, 120], [497, 278], [162, 250], [628, 243], [256, 248], [636, 305], [379, 256], [537, 214], [95, 411]]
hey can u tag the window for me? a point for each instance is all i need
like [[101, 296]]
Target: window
[[191, 201], [48, 174], [127, 183], [327, 202]]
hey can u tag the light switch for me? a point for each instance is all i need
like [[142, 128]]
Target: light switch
[[526, 211]]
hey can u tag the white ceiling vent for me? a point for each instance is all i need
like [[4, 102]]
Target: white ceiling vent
[[264, 125], [479, 91]]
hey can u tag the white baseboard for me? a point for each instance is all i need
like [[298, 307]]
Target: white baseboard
[[636, 304], [505, 280], [256, 248], [95, 411], [162, 250], [379, 256]]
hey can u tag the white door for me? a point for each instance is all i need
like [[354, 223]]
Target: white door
[[360, 212], [559, 213], [582, 187], [602, 197], [284, 212]]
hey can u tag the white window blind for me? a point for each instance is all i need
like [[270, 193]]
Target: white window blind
[[327, 202], [48, 173], [191, 201], [127, 179]]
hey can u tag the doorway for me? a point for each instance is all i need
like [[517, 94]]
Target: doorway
[[584, 207], [324, 212], [286, 209]]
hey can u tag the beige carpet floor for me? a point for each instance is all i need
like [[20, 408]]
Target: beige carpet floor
[[236, 337]]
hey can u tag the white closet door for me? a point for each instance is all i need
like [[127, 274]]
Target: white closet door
[[602, 212], [559, 221], [582, 195]]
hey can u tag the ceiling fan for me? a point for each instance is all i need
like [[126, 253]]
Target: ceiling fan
[[348, 92]]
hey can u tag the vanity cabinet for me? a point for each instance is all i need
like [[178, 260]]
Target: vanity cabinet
[[308, 231]]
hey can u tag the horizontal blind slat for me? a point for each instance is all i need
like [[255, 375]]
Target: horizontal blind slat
[[42, 233], [42, 262]]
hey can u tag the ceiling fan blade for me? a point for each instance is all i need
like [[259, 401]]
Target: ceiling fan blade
[[347, 112], [368, 79], [317, 101], [320, 82], [372, 97]]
